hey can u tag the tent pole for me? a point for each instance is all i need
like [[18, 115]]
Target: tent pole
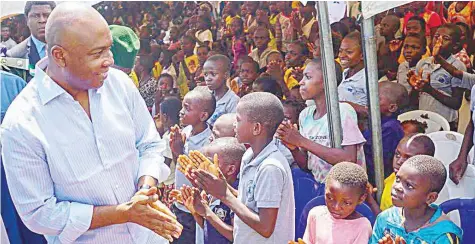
[[371, 63], [329, 74]]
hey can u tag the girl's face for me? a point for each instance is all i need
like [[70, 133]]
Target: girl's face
[[290, 114], [350, 53], [341, 200], [276, 57], [236, 27], [165, 84], [311, 85]]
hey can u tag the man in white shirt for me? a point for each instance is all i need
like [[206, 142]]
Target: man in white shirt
[[78, 143], [7, 41]]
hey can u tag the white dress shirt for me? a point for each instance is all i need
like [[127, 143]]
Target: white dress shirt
[[59, 163]]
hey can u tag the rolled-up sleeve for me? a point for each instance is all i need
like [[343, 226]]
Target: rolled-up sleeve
[[147, 140], [32, 189]]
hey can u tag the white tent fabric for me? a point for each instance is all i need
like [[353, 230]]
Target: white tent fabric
[[371, 8]]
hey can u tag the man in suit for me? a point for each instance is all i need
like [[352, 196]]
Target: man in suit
[[34, 47]]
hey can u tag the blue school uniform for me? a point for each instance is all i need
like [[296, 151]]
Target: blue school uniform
[[439, 230]]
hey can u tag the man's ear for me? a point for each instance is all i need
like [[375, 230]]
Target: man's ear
[[432, 197], [257, 129], [58, 54], [393, 108], [204, 116]]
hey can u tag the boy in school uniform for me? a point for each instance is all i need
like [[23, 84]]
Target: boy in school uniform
[[415, 218], [264, 206], [197, 107], [443, 92], [216, 71]]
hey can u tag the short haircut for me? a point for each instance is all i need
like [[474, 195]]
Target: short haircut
[[296, 105], [303, 47], [262, 28], [263, 108], [205, 97], [228, 118], [340, 28], [395, 19], [147, 62], [5, 27], [431, 169], [456, 33], [219, 58], [171, 106], [30, 4], [348, 174], [419, 19], [229, 148], [253, 63], [164, 76], [268, 84], [355, 36], [394, 92], [420, 126], [204, 46], [421, 38], [420, 140], [271, 53]]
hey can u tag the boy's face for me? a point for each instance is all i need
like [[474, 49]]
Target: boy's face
[[290, 114], [248, 73], [414, 27], [243, 126], [165, 84], [413, 50], [350, 53], [405, 151], [341, 200], [386, 106], [294, 57], [261, 39], [214, 74], [191, 112], [411, 189], [445, 34], [202, 53], [311, 84]]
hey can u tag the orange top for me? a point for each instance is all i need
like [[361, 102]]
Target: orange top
[[464, 14]]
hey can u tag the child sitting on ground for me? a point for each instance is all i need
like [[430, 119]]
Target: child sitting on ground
[[409, 146], [216, 218], [224, 127], [443, 92], [338, 222], [198, 105], [393, 98], [216, 71], [313, 149], [265, 203], [168, 116], [414, 218]]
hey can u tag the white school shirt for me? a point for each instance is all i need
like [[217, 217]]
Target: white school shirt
[[401, 76], [353, 89], [265, 181], [60, 164], [227, 104]]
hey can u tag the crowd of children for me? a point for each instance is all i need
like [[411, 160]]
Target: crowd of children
[[239, 87]]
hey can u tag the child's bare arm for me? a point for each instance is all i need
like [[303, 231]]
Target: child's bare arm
[[223, 228], [300, 157], [453, 102], [449, 67]]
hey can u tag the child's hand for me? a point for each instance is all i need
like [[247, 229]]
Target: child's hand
[[275, 70], [175, 195], [395, 45], [370, 190], [297, 73], [299, 241], [388, 240], [289, 134], [194, 200], [436, 48], [216, 186], [177, 140], [416, 80], [186, 164], [205, 164]]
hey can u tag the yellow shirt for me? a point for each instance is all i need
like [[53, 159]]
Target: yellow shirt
[[157, 70], [192, 64], [386, 200], [134, 78], [289, 80], [273, 19]]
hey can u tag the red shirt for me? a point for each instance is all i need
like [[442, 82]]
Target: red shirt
[[432, 20]]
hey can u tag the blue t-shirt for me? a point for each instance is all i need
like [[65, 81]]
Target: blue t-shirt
[[439, 230], [211, 235]]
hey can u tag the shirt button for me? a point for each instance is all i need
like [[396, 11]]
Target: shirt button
[[116, 186]]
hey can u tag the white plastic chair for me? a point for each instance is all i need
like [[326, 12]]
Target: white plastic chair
[[435, 122], [447, 147]]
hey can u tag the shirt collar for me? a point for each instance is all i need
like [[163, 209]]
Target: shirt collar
[[359, 75], [47, 88], [198, 138], [225, 98], [39, 44], [269, 149]]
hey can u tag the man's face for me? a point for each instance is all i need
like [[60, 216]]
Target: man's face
[[414, 27], [445, 34], [294, 57], [5, 33], [36, 20], [261, 39], [388, 27], [87, 56]]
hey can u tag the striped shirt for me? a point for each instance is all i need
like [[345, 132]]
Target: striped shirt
[[59, 164]]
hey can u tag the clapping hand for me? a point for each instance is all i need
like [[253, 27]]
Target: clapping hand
[[194, 201], [395, 45], [196, 160], [417, 82], [177, 140], [297, 73], [436, 47], [388, 240], [289, 134]]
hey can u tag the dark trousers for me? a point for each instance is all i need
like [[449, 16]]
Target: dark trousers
[[189, 226]]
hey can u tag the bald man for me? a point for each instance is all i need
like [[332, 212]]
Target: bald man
[[261, 41], [79, 143]]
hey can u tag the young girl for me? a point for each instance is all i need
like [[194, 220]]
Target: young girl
[[337, 221], [203, 35], [238, 41], [168, 116]]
